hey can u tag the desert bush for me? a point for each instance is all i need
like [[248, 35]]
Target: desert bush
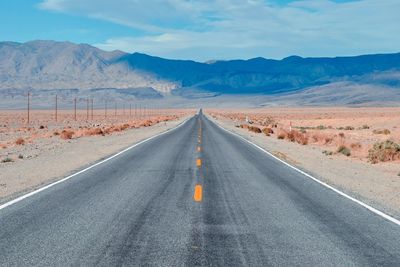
[[20, 141], [268, 121], [328, 153], [56, 133], [344, 150], [328, 140], [126, 126], [94, 131], [267, 131], [254, 129], [41, 127], [384, 131], [281, 135], [290, 136], [349, 128], [67, 134], [384, 151], [364, 127], [302, 139], [5, 160], [355, 145], [244, 126], [321, 127], [20, 156], [298, 137], [341, 135]]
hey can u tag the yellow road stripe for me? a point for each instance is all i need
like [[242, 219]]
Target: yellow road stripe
[[198, 193], [198, 162]]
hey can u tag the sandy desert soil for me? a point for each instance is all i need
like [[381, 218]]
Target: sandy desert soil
[[320, 132], [51, 150]]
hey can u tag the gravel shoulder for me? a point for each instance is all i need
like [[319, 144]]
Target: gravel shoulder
[[375, 184], [48, 160]]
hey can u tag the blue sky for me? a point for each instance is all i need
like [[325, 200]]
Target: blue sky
[[210, 29]]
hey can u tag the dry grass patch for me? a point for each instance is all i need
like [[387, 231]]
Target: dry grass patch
[[67, 134], [20, 141], [384, 131]]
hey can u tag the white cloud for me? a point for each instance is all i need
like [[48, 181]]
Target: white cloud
[[240, 29]]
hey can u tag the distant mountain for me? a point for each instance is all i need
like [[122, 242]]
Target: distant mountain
[[49, 65], [64, 65]]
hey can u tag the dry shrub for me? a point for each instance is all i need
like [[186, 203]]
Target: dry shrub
[[254, 129], [302, 139], [349, 128], [322, 138], [294, 136], [267, 131], [146, 123], [344, 150], [93, 131], [20, 141], [124, 126], [355, 145], [244, 126], [56, 133], [384, 131], [67, 134], [282, 134], [328, 140], [384, 151], [298, 137]]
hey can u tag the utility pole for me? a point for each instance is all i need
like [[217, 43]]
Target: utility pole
[[29, 107], [105, 109], [87, 109], [56, 107], [75, 108], [92, 107]]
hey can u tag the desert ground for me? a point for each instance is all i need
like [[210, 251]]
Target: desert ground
[[355, 149], [47, 149]]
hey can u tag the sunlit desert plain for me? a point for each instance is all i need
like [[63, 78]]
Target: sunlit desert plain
[[370, 134]]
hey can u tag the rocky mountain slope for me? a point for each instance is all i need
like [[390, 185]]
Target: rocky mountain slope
[[49, 65]]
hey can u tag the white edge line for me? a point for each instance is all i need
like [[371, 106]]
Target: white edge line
[[374, 210], [18, 199]]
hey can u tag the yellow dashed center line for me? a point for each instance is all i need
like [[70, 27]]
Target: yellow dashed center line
[[198, 193], [198, 188]]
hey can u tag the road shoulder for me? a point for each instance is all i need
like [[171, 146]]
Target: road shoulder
[[369, 183], [67, 157]]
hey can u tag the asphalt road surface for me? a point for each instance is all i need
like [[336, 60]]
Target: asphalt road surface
[[196, 195]]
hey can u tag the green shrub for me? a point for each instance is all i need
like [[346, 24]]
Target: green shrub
[[344, 150], [7, 160]]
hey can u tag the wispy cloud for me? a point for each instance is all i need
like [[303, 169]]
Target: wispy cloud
[[240, 29]]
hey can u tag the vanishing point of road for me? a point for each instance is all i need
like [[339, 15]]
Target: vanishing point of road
[[195, 196]]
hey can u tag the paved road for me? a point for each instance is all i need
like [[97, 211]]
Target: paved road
[[142, 208]]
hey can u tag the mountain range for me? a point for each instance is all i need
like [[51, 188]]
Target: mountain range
[[45, 66]]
